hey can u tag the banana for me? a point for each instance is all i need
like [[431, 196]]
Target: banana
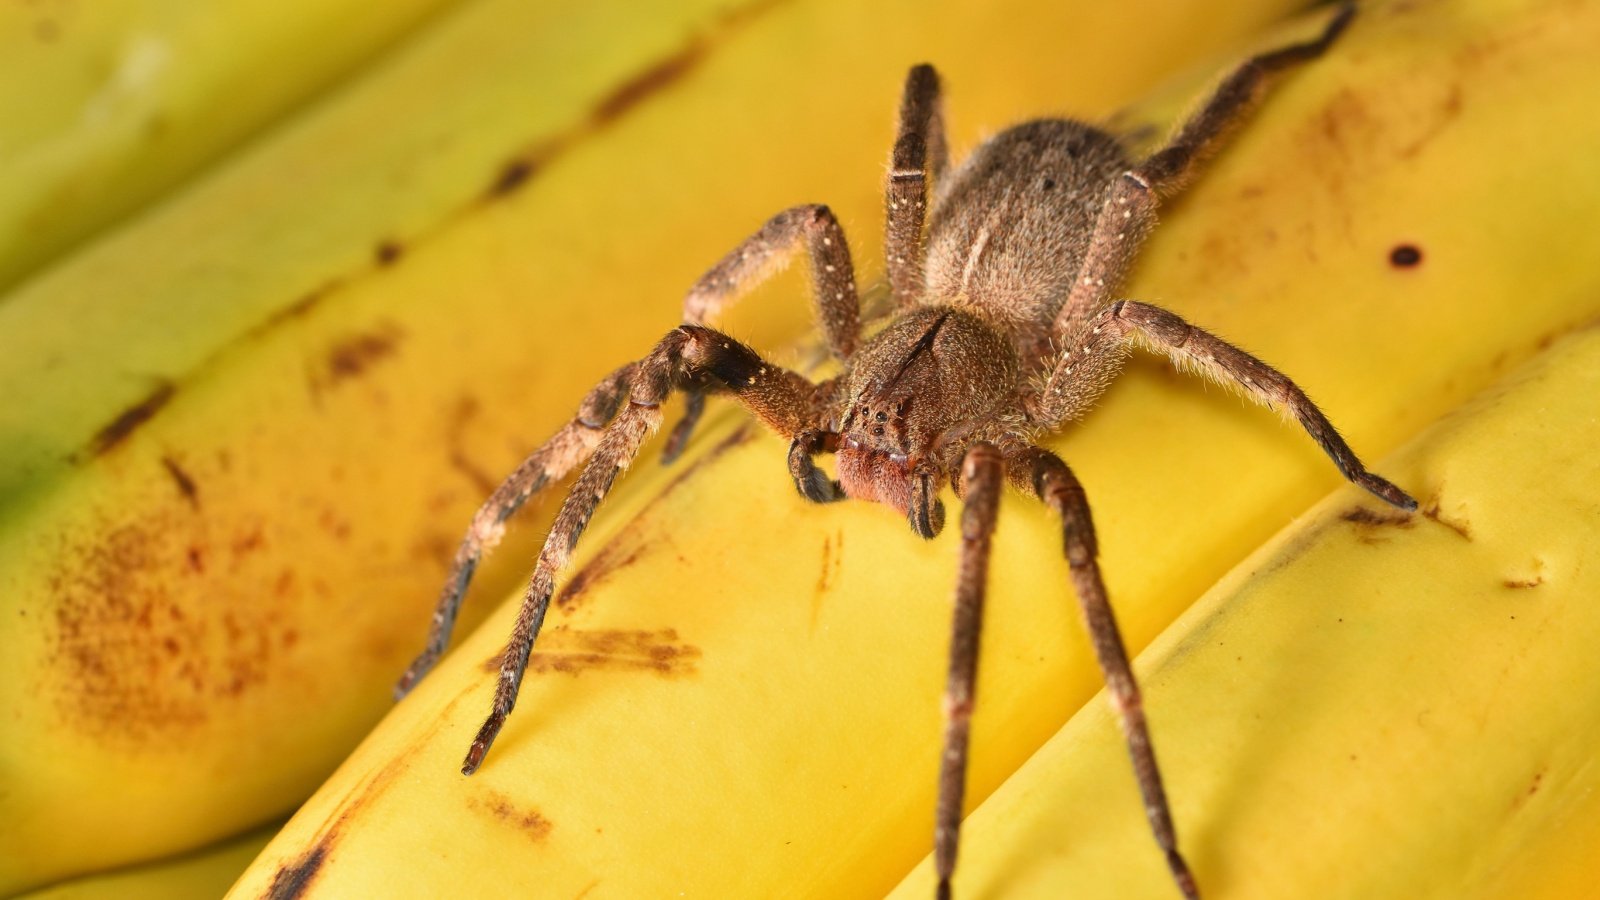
[[243, 434], [201, 875], [1372, 705], [105, 106], [737, 693]]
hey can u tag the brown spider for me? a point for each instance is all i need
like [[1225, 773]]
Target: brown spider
[[1003, 331]]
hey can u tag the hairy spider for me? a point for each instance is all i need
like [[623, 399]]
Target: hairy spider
[[1003, 331]]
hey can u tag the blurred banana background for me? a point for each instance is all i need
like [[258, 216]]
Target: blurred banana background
[[253, 399], [106, 106]]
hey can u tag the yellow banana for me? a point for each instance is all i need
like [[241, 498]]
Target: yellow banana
[[242, 434], [201, 875], [104, 106], [1372, 705], [738, 694]]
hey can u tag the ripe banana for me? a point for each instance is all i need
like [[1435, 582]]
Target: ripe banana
[[243, 433], [105, 106], [1372, 705], [737, 694], [201, 875]]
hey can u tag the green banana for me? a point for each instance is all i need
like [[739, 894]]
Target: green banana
[[106, 106]]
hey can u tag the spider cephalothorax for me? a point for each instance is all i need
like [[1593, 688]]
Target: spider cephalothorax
[[917, 394], [1004, 330]]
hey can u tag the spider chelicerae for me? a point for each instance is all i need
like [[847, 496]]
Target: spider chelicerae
[[1003, 331]]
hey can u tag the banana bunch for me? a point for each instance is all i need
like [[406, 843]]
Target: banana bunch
[[736, 694], [1372, 705], [103, 106], [244, 431]]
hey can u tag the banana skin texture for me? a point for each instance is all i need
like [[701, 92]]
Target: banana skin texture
[[741, 695], [1371, 705], [243, 432]]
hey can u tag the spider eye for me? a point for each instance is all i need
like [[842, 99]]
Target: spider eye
[[882, 417], [878, 430]]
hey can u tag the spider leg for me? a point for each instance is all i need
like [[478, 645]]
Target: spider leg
[[1186, 345], [690, 354], [1128, 212], [755, 259], [919, 157], [981, 478], [1168, 169], [694, 407], [1045, 475], [813, 483], [1126, 218], [551, 462]]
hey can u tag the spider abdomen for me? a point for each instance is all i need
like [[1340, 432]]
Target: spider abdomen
[[1010, 225]]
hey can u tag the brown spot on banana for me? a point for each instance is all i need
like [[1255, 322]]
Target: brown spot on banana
[[648, 82], [612, 557], [388, 252], [292, 879], [1369, 524], [1459, 526], [354, 355], [637, 537], [128, 665], [128, 421], [183, 480], [528, 821], [573, 652]]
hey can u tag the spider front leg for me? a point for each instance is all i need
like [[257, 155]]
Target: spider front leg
[[1045, 475], [813, 483], [691, 354], [1037, 471], [918, 158], [551, 462], [1128, 212], [756, 259], [981, 479]]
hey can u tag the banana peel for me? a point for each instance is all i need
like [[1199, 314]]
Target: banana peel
[[259, 398], [1373, 704], [106, 106], [200, 875], [737, 694], [245, 431]]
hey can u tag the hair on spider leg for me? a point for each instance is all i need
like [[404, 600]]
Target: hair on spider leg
[[1003, 326]]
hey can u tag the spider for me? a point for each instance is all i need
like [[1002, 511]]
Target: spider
[[1003, 331]]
